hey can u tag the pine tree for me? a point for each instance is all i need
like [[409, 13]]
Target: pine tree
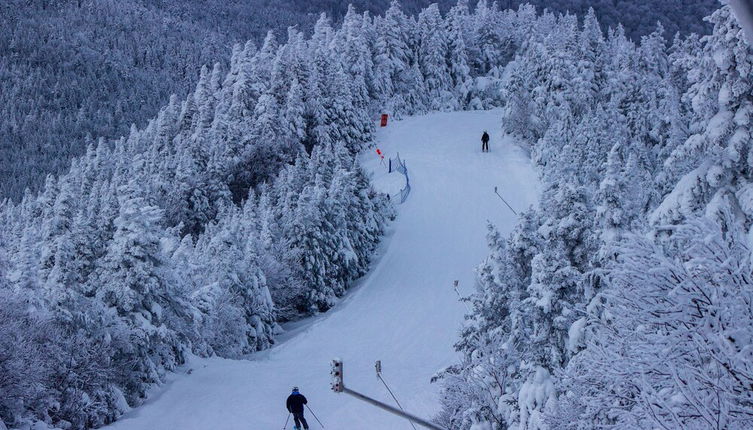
[[25, 274], [393, 60], [358, 68], [589, 70], [308, 242], [487, 46], [714, 158], [433, 58], [133, 283], [58, 265], [239, 315], [266, 148], [458, 52], [295, 111]]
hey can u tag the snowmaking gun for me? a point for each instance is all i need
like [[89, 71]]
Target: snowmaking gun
[[338, 386]]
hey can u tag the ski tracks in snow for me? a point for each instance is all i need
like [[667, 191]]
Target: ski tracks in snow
[[404, 312]]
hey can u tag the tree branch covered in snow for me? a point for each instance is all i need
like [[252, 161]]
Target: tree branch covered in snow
[[624, 300]]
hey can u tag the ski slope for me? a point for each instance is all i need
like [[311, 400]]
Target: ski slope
[[404, 312]]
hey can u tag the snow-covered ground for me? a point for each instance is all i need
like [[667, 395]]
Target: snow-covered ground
[[404, 312]]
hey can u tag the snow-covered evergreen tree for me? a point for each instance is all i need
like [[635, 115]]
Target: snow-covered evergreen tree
[[133, 282], [238, 313], [394, 60], [433, 57], [715, 157]]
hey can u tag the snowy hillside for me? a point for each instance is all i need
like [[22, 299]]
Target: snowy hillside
[[149, 283], [405, 311]]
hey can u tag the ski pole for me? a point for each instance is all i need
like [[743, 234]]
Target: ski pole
[[286, 422], [314, 415]]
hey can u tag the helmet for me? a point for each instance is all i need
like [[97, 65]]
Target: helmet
[[295, 388]]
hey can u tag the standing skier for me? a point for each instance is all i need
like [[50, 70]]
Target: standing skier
[[295, 404], [485, 142]]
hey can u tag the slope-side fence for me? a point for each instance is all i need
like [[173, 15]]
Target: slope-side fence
[[398, 165]]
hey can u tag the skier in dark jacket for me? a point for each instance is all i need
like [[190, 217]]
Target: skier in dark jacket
[[295, 404], [485, 142]]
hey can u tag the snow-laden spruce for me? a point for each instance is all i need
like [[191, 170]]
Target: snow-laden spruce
[[624, 302]]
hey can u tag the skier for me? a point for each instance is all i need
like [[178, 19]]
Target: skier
[[295, 404], [485, 142]]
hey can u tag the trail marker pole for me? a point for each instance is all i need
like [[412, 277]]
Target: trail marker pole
[[503, 199], [381, 156], [339, 387]]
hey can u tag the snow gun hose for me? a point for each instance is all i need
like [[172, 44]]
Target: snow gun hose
[[314, 415]]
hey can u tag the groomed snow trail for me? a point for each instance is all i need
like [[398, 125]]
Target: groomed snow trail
[[404, 312]]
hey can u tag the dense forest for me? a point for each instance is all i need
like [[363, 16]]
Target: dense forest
[[624, 299], [72, 71]]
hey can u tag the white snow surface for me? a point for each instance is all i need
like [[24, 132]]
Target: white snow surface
[[404, 312]]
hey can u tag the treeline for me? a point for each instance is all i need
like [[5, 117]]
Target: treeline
[[72, 71], [624, 299], [639, 18]]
